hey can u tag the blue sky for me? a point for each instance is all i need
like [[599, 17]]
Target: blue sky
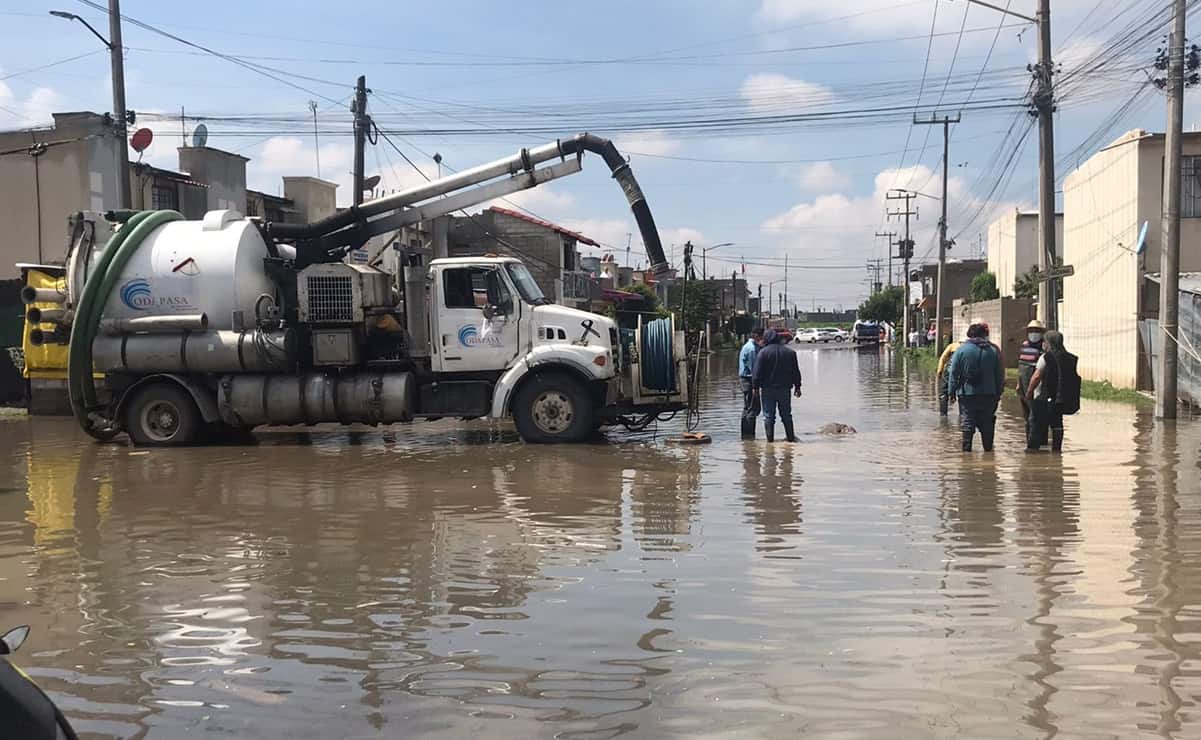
[[810, 189]]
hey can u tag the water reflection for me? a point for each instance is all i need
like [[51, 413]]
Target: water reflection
[[447, 580]]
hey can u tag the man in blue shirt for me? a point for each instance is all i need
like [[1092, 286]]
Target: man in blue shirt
[[746, 371], [977, 376]]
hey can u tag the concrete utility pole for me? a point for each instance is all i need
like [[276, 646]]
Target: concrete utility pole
[[361, 123], [1043, 103], [906, 252], [946, 122], [873, 270], [316, 141], [1169, 271], [890, 235], [117, 61]]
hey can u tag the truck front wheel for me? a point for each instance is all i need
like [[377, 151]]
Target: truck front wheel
[[553, 407], [161, 415]]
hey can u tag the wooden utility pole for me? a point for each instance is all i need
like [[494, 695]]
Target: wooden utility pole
[[906, 248], [890, 235], [1169, 270], [361, 123], [945, 122]]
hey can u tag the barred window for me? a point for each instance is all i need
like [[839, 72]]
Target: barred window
[[164, 197], [1190, 193]]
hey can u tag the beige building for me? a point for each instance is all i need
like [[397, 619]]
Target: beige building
[[46, 174], [1013, 246], [1106, 203]]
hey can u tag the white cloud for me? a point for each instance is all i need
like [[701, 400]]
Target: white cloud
[[771, 93], [543, 200], [820, 177], [33, 110], [655, 143]]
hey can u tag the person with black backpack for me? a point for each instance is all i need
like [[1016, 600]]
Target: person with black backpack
[[1053, 392]]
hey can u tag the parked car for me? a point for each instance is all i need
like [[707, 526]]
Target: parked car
[[812, 336], [833, 334]]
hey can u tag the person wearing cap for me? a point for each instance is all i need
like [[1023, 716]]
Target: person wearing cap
[[1028, 356], [976, 376], [776, 373]]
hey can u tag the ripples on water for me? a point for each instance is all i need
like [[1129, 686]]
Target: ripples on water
[[446, 580]]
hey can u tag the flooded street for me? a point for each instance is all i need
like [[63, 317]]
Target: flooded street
[[446, 580]]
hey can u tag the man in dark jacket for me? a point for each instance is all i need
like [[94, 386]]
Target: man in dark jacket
[[776, 373], [976, 377]]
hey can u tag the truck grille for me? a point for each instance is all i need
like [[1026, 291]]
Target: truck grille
[[331, 298]]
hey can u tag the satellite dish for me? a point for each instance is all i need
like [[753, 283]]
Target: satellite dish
[[200, 135], [1142, 239], [371, 182], [141, 139]]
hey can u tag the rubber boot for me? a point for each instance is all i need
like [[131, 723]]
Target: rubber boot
[[769, 431], [748, 429], [1057, 440], [967, 440], [788, 433]]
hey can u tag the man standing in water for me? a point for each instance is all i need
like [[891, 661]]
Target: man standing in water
[[776, 373], [1028, 356], [977, 377], [746, 371]]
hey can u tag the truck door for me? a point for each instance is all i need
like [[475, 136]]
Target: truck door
[[477, 319]]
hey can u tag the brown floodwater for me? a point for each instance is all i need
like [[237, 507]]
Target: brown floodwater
[[445, 580]]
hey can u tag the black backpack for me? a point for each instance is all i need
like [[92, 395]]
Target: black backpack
[[1067, 382]]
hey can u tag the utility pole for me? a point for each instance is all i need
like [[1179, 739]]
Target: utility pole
[[906, 251], [784, 298], [117, 61], [1169, 271], [890, 235], [760, 301], [873, 271], [1043, 104], [946, 122], [316, 142], [361, 123]]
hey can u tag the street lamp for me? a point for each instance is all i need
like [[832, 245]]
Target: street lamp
[[705, 251], [113, 44], [769, 295]]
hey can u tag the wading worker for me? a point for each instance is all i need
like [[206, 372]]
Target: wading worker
[[776, 373], [976, 377], [746, 371], [1028, 356], [1054, 389], [940, 375]]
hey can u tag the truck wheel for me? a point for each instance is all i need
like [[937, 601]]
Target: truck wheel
[[553, 408], [161, 415]]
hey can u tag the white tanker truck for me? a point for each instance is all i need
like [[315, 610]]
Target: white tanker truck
[[233, 322]]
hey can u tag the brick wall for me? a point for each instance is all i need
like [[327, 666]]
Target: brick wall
[[540, 248]]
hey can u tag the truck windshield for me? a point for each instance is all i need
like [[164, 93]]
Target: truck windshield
[[529, 290]]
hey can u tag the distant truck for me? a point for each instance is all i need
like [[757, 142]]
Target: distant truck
[[867, 332]]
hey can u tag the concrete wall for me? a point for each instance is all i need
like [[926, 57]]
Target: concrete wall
[[223, 172], [1013, 246], [78, 174], [314, 199], [1006, 319]]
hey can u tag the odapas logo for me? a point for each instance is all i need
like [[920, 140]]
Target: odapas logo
[[136, 294], [469, 336]]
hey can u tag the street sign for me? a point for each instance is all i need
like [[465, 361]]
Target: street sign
[[1056, 272]]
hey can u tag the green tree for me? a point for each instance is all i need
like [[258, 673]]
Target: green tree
[[695, 304], [1026, 284], [984, 288], [626, 313], [884, 306]]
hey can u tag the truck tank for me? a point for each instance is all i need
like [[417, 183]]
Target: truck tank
[[212, 267]]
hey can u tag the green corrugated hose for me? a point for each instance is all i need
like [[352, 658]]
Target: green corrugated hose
[[80, 382]]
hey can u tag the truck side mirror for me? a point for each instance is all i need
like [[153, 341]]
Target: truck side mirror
[[489, 311]]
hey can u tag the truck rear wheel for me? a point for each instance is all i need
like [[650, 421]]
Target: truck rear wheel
[[161, 415], [553, 407]]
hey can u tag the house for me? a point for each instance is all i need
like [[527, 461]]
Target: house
[[1013, 241], [549, 251], [958, 275], [1108, 202]]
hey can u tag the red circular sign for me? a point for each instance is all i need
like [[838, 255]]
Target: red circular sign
[[141, 139]]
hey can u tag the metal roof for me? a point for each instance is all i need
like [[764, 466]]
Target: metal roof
[[1190, 282], [553, 227]]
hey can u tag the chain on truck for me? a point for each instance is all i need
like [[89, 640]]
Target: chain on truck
[[232, 322]]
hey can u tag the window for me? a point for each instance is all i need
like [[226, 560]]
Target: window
[[1190, 193], [164, 197], [475, 287], [252, 206]]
